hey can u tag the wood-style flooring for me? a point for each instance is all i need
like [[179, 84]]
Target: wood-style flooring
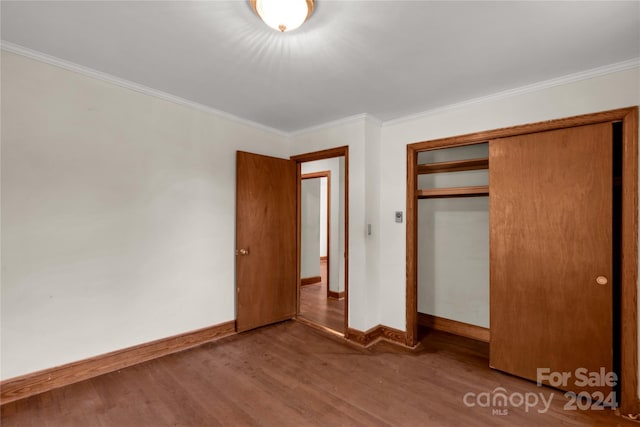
[[290, 374], [315, 306]]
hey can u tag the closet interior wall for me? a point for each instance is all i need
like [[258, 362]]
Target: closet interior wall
[[453, 239]]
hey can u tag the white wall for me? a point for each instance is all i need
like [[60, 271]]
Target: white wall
[[310, 228], [118, 216], [342, 230], [336, 234], [615, 90], [324, 215], [453, 259], [373, 219]]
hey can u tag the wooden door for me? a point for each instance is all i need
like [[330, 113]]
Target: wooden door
[[551, 240], [265, 240]]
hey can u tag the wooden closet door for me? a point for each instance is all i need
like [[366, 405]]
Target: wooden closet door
[[551, 245]]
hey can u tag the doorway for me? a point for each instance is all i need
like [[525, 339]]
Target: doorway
[[323, 239], [315, 223]]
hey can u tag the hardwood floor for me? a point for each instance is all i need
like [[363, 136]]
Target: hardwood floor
[[315, 306], [289, 374]]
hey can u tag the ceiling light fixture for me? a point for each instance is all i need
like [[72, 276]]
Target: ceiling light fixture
[[283, 15]]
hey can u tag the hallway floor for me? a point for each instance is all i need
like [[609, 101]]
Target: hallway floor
[[315, 306]]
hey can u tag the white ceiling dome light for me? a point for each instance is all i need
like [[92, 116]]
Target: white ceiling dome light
[[283, 15]]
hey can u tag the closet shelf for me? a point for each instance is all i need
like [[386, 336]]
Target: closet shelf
[[454, 166], [481, 190]]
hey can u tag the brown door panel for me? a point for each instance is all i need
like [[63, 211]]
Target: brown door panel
[[265, 240], [551, 239]]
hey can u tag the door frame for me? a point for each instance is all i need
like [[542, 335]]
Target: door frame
[[323, 174], [628, 399], [322, 155]]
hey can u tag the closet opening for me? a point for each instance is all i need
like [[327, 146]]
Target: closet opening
[[453, 240], [560, 165]]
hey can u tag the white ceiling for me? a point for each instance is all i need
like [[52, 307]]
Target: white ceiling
[[385, 58]]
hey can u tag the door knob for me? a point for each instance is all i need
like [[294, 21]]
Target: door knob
[[242, 252], [601, 280]]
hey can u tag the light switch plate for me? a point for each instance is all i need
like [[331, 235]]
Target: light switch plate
[[399, 216]]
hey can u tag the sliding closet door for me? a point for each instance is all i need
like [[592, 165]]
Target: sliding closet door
[[551, 253]]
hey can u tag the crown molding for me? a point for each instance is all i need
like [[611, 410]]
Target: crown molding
[[338, 122], [569, 78], [373, 119], [90, 72], [566, 79], [534, 87]]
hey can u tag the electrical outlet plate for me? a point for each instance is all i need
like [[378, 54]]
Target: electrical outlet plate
[[399, 216]]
